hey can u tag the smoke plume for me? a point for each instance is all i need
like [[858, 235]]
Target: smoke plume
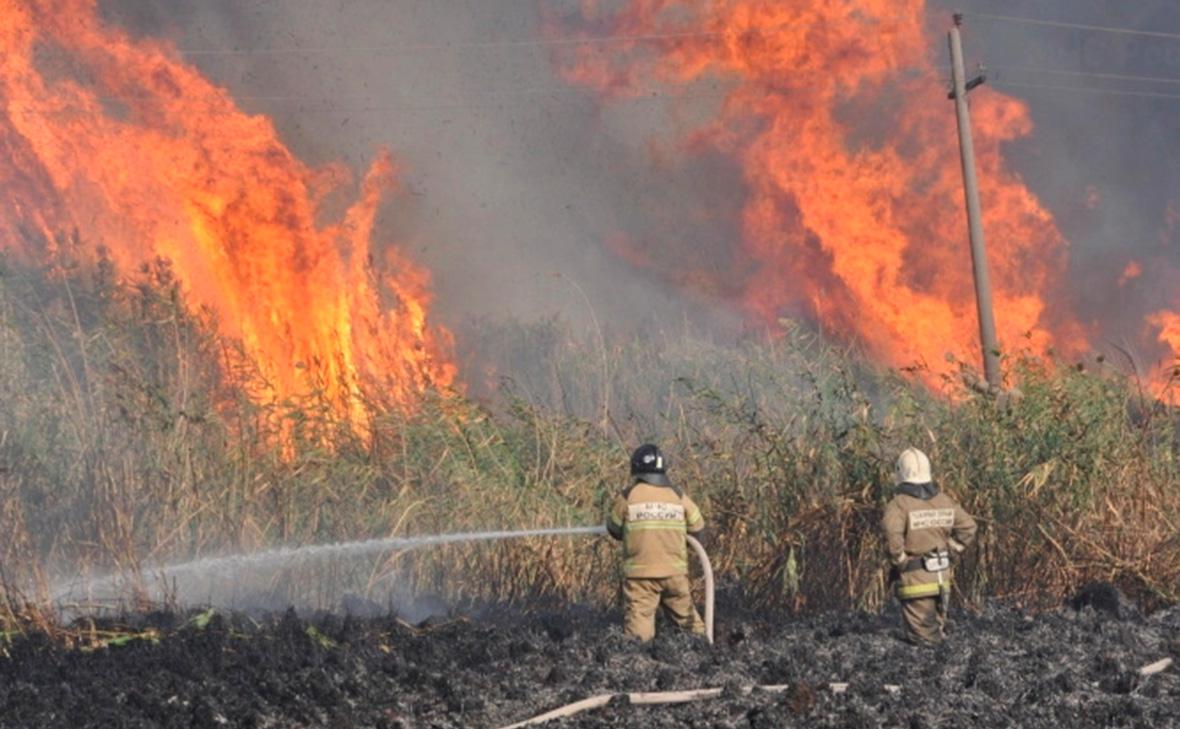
[[516, 174]]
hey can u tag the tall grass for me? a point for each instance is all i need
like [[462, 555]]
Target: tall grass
[[132, 435]]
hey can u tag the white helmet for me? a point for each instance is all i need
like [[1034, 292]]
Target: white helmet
[[913, 467]]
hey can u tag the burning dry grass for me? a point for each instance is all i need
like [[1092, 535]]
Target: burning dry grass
[[118, 134], [128, 439], [848, 176]]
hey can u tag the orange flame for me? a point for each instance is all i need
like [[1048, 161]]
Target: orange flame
[[1165, 376], [854, 204], [118, 138]]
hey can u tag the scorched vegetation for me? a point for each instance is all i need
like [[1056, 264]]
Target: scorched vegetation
[[132, 435]]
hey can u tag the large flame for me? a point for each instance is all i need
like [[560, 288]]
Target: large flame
[[854, 209], [119, 139]]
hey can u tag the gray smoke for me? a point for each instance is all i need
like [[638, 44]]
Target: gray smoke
[[512, 175]]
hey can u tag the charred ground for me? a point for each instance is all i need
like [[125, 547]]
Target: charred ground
[[1076, 666]]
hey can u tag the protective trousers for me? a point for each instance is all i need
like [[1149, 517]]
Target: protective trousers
[[641, 597], [924, 622]]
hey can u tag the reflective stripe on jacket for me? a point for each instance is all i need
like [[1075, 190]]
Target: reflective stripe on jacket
[[924, 589], [652, 521]]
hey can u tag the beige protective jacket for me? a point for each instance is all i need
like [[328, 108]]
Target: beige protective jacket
[[919, 520], [652, 521]]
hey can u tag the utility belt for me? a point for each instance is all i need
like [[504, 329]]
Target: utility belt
[[937, 560]]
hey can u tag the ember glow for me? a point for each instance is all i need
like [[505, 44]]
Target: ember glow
[[854, 206], [1133, 271], [119, 139]]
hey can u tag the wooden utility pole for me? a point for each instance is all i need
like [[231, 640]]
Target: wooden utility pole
[[983, 290]]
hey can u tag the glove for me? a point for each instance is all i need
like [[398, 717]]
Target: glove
[[895, 566]]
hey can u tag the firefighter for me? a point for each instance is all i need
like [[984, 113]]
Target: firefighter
[[923, 529], [651, 518]]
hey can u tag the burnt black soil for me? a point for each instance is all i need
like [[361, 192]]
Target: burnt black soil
[[1075, 667]]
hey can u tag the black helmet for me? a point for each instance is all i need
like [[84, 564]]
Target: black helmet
[[647, 464]]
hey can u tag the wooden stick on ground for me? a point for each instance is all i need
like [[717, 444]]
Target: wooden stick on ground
[[1153, 668], [638, 698]]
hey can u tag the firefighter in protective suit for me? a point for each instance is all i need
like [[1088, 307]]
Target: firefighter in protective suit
[[923, 529], [651, 518]]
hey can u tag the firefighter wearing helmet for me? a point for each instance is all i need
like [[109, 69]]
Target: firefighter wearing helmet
[[923, 528], [651, 518]]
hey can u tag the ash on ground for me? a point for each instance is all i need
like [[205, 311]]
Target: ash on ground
[[1077, 667]]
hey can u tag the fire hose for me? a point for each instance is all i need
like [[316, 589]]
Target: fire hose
[[706, 572], [641, 698], [638, 698], [661, 697]]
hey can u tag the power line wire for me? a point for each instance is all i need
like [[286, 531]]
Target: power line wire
[[1075, 26], [573, 94], [572, 90], [219, 110], [233, 98], [1085, 74], [414, 47], [999, 83], [523, 42]]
